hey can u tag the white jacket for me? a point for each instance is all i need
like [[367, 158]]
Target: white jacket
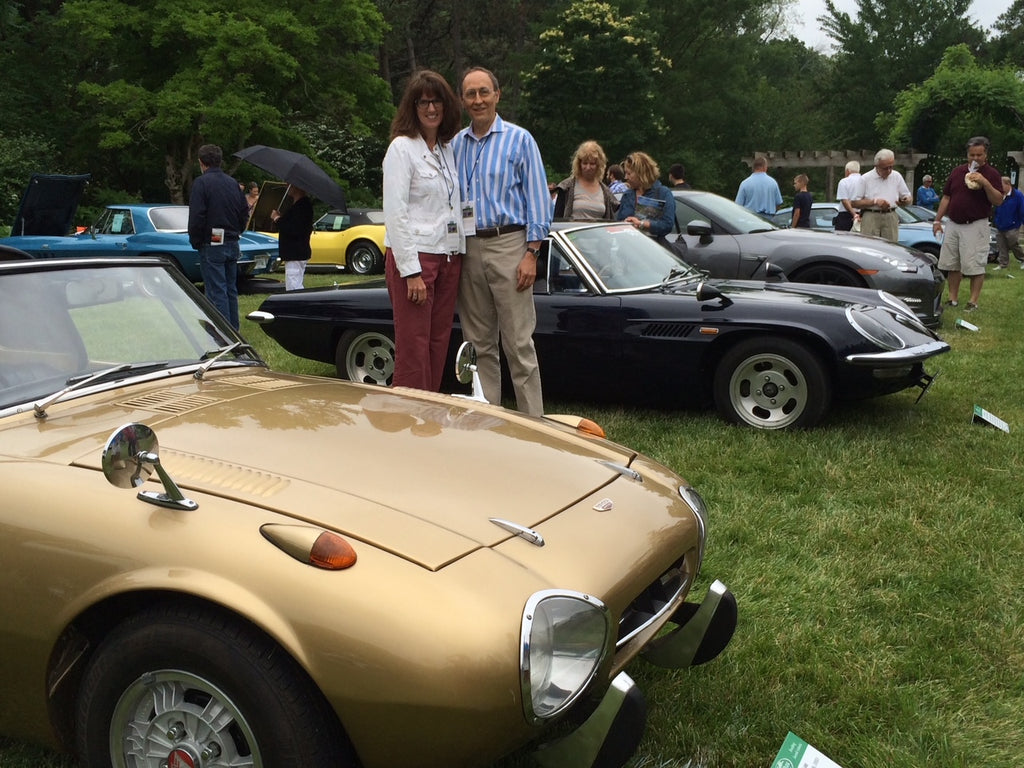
[[421, 196]]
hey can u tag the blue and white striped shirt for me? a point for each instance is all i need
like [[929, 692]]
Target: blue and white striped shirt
[[502, 174]]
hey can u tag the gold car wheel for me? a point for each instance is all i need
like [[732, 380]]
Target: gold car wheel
[[367, 357], [190, 686]]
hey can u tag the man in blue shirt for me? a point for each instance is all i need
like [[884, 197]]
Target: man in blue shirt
[[926, 196], [217, 215], [759, 192], [1007, 220], [506, 213]]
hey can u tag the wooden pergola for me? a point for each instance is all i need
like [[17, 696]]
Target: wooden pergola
[[833, 159]]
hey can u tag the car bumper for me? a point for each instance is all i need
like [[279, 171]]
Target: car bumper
[[610, 735], [899, 357]]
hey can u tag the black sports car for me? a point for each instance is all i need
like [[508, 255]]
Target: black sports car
[[621, 318]]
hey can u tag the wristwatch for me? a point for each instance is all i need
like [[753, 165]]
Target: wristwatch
[[531, 250]]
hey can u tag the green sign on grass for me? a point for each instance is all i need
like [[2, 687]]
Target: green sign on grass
[[797, 753]]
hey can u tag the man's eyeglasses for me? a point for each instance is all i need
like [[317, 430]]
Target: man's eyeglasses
[[425, 103], [483, 93]]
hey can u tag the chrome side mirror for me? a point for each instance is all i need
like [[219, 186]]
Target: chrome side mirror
[[466, 371], [130, 457]]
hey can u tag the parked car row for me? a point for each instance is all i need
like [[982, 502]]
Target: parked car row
[[44, 227], [189, 580], [915, 226]]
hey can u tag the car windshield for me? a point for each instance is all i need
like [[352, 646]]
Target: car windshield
[[622, 259], [732, 218], [61, 324]]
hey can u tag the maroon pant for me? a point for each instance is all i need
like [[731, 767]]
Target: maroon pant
[[422, 330]]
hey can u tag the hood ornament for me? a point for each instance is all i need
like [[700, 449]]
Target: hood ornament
[[519, 530]]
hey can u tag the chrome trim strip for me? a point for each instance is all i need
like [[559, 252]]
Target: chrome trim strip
[[898, 357], [519, 530]]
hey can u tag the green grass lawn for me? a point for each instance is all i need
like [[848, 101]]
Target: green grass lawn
[[876, 561]]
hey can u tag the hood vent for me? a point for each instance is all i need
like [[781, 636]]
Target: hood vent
[[168, 402], [263, 382], [199, 471]]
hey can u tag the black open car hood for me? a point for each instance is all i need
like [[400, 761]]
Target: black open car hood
[[49, 204]]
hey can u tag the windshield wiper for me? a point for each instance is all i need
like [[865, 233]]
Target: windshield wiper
[[679, 273], [214, 355], [80, 380]]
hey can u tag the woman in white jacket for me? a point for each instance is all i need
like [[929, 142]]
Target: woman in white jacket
[[423, 229]]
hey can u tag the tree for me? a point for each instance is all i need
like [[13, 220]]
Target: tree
[[595, 76], [158, 78], [892, 43], [961, 99], [1008, 46]]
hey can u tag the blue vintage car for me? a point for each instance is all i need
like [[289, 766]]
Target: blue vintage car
[[44, 227]]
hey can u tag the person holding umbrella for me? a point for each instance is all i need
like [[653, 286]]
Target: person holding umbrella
[[294, 227], [217, 215], [423, 237]]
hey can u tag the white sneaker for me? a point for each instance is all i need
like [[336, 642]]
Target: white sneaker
[[998, 266]]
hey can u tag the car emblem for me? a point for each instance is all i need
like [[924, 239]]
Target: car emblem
[[179, 758], [604, 505]]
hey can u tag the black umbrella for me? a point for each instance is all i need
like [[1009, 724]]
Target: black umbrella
[[297, 170]]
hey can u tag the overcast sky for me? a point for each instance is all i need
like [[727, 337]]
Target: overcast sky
[[985, 12]]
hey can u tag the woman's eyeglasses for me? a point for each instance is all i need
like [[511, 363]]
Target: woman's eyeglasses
[[426, 103]]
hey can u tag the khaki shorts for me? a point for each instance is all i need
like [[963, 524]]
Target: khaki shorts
[[964, 247]]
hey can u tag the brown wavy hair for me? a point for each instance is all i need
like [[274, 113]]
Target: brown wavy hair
[[589, 150], [427, 84], [643, 167]]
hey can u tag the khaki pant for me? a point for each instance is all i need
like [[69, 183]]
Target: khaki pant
[[885, 225], [1008, 241], [492, 310]]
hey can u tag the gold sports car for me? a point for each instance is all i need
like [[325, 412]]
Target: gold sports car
[[205, 563]]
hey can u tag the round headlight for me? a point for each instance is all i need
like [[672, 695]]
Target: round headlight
[[565, 636], [874, 331]]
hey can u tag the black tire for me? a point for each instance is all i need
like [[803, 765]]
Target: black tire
[[366, 356], [364, 258], [194, 661], [829, 274], [772, 383]]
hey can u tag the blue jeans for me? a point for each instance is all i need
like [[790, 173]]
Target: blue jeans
[[219, 267]]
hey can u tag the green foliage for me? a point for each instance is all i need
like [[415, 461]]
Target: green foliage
[[891, 43], [961, 99], [21, 155], [595, 76]]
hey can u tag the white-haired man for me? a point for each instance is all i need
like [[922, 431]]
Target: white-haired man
[[844, 194], [879, 192]]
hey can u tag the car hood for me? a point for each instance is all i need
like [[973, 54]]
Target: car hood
[[810, 241], [49, 204], [416, 474]]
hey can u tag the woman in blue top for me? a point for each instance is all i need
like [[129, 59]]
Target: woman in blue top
[[648, 204]]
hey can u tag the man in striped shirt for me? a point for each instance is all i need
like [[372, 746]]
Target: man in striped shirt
[[506, 213]]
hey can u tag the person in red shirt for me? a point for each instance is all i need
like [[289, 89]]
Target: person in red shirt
[[968, 196]]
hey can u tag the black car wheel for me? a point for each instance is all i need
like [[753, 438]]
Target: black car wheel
[[828, 274], [179, 686], [771, 383], [364, 258], [366, 356]]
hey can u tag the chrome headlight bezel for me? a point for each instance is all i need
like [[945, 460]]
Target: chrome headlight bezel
[[565, 638], [700, 511]]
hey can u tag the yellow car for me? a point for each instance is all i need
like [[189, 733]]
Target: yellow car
[[354, 240]]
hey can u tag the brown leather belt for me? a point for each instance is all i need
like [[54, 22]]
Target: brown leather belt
[[502, 230]]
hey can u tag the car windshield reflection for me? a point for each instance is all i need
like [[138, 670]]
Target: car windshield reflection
[[736, 218], [55, 326], [622, 259]]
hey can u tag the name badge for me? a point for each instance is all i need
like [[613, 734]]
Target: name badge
[[451, 237], [469, 219]]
